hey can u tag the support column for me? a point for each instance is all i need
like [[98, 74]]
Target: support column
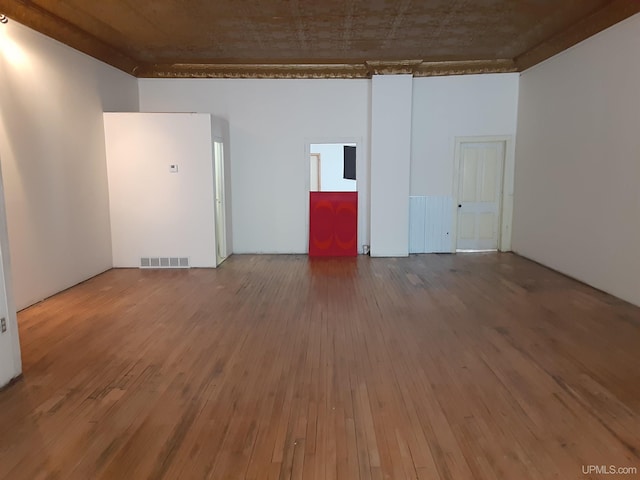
[[391, 100]]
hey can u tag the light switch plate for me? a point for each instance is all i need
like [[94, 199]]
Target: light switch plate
[[173, 168]]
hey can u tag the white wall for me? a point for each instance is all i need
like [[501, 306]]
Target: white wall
[[270, 120], [577, 192], [271, 124], [391, 105], [53, 159], [155, 212], [456, 106], [332, 167]]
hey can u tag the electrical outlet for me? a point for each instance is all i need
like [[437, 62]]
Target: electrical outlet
[[3, 325]]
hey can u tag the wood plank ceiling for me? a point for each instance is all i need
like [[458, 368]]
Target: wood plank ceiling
[[318, 39]]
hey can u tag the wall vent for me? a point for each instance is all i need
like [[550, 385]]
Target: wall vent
[[164, 262]]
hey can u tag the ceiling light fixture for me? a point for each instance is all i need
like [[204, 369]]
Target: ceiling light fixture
[[3, 18]]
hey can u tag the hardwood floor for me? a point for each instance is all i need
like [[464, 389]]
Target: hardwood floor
[[276, 367]]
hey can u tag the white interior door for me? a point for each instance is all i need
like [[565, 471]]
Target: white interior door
[[479, 195], [221, 235]]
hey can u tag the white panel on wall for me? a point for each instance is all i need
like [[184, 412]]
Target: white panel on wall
[[157, 211], [417, 224], [430, 221]]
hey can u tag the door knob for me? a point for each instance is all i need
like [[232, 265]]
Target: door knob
[[459, 205]]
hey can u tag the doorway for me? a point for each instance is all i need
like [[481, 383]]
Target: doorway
[[218, 171], [480, 186], [333, 200]]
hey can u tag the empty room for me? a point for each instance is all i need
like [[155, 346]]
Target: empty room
[[319, 240]]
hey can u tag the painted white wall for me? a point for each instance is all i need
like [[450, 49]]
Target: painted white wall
[[53, 159], [332, 167], [577, 191], [155, 212], [456, 106], [271, 124], [10, 361], [391, 102]]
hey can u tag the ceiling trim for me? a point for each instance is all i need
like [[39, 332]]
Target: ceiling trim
[[417, 68], [232, 70], [467, 67], [43, 21], [601, 19]]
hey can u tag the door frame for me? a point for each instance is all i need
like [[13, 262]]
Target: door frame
[[362, 185], [506, 196], [318, 160], [11, 338], [221, 237]]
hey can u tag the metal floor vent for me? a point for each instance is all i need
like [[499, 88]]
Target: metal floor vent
[[164, 262]]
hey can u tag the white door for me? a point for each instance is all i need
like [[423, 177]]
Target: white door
[[221, 235], [479, 195]]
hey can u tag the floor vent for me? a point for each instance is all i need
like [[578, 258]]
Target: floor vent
[[164, 262]]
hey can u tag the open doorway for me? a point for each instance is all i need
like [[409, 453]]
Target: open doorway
[[332, 167], [221, 229], [333, 199]]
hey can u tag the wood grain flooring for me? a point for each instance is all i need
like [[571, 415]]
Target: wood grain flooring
[[282, 367]]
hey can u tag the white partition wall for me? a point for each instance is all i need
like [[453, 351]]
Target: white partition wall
[[391, 99], [161, 187], [430, 224]]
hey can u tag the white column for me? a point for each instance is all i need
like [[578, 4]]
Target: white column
[[391, 98]]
